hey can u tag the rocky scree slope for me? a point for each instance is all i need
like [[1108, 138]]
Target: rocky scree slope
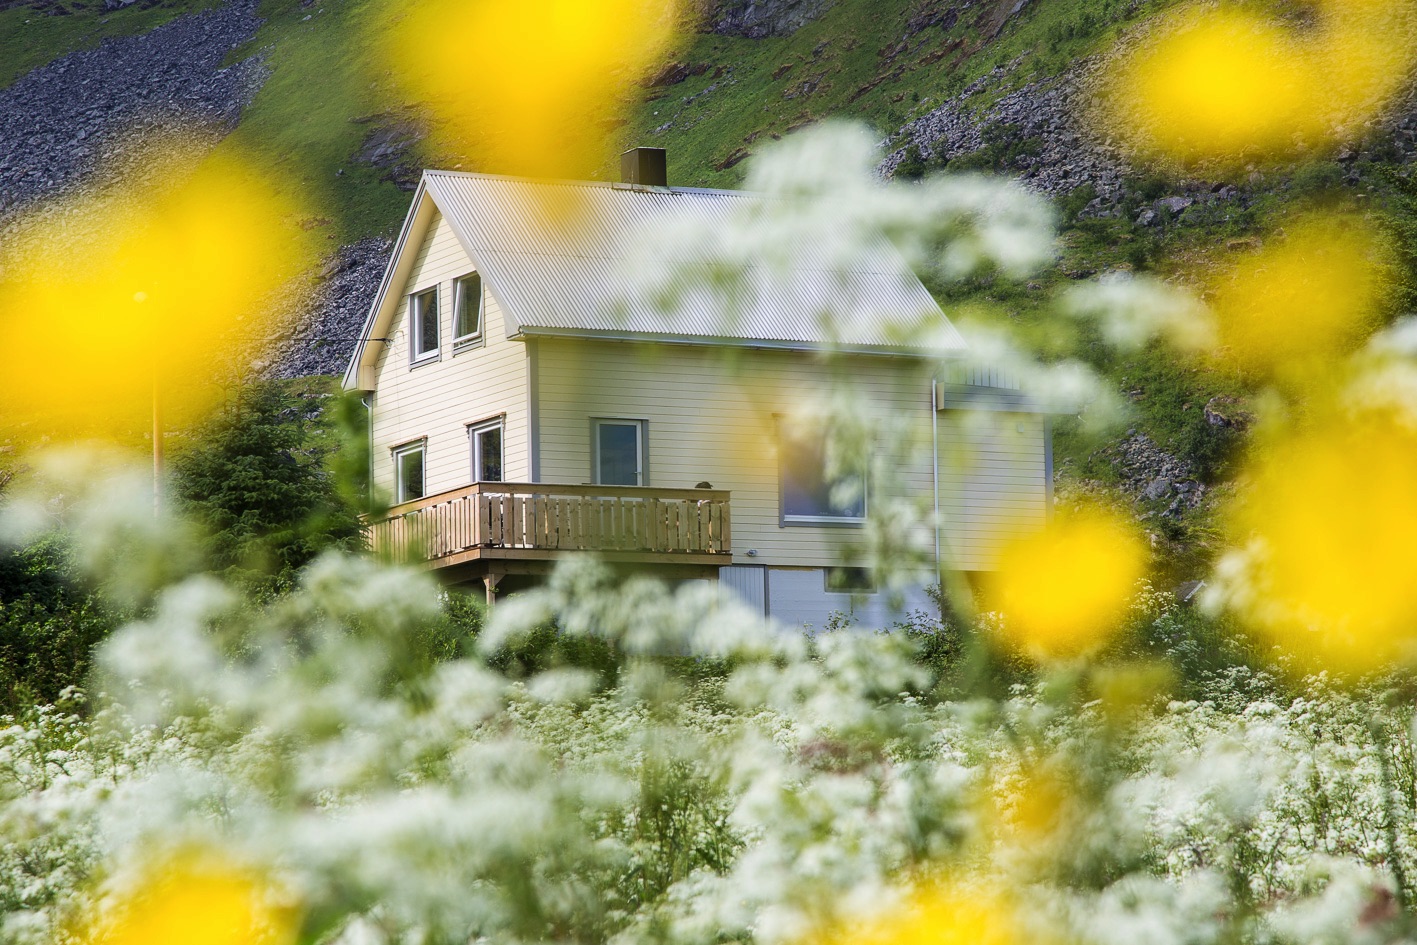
[[65, 123]]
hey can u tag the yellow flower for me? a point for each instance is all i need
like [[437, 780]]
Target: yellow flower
[[1032, 810], [1062, 591], [1324, 565], [1218, 84], [1306, 295], [530, 88], [190, 902], [942, 916], [1229, 85], [160, 281]]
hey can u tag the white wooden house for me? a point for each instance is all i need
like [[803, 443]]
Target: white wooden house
[[523, 409]]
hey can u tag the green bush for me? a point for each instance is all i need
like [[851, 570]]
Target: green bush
[[49, 625], [257, 479]]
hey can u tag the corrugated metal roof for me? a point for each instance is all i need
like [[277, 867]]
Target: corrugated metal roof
[[562, 258]]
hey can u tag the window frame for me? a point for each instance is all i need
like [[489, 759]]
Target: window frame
[[408, 448], [416, 316], [789, 520], [478, 337], [641, 427], [850, 579], [498, 422]]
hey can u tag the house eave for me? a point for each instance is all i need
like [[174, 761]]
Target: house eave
[[527, 332]]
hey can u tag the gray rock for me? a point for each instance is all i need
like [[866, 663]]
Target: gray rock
[[757, 19], [323, 330], [1175, 204], [1065, 154], [1149, 473], [1156, 488], [116, 98]]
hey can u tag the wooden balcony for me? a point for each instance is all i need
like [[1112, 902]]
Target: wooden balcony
[[508, 527]]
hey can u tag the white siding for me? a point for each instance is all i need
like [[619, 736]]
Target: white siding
[[749, 583], [800, 598], [710, 416], [993, 482], [438, 400]]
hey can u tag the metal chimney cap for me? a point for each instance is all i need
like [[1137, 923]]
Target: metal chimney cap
[[644, 167]]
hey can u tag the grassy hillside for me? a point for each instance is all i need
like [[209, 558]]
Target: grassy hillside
[[883, 63], [323, 99]]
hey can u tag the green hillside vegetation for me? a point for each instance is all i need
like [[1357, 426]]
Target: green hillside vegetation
[[37, 32], [328, 105], [322, 100], [881, 63]]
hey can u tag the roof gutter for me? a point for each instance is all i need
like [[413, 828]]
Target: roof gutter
[[718, 341]]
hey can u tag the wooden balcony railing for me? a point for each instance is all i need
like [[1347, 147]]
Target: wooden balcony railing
[[503, 520]]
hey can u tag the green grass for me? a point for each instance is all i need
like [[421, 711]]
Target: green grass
[[31, 37], [304, 120], [860, 60]]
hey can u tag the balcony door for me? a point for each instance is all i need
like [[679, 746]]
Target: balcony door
[[618, 448], [486, 443]]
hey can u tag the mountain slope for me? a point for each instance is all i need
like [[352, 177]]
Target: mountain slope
[[994, 85]]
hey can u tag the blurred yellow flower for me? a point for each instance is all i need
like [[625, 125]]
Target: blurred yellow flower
[[1307, 294], [1323, 531], [1032, 809], [1216, 84], [942, 916], [1229, 84], [102, 298], [530, 88], [1062, 591], [192, 903]]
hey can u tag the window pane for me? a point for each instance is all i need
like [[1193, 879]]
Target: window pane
[[619, 448], [410, 475], [489, 455], [425, 323], [805, 489], [469, 306]]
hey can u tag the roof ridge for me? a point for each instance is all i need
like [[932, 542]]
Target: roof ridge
[[599, 184]]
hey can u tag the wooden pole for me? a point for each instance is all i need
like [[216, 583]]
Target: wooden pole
[[141, 298], [157, 444]]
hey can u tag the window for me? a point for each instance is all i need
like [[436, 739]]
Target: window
[[619, 452], [850, 580], [423, 325], [808, 496], [486, 441], [408, 471], [467, 309]]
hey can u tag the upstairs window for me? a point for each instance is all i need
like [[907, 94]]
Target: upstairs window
[[423, 325], [486, 451], [408, 471], [467, 309], [809, 495], [619, 449]]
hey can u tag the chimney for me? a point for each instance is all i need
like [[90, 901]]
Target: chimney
[[644, 167]]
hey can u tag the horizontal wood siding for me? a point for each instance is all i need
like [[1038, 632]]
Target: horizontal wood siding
[[993, 482], [710, 417], [439, 399]]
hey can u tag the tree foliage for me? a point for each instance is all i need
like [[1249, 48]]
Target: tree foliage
[[258, 479]]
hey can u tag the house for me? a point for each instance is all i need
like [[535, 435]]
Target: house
[[522, 408]]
